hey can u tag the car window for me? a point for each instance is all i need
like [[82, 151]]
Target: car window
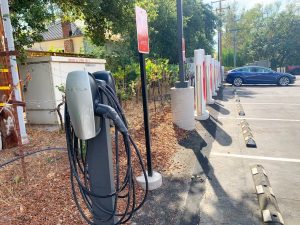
[[243, 69], [265, 70], [259, 70], [254, 69]]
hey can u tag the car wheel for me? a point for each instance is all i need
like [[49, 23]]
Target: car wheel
[[237, 82], [284, 81]]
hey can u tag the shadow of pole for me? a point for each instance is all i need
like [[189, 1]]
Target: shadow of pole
[[204, 172]]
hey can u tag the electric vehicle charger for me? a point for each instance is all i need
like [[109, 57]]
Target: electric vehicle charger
[[125, 187]]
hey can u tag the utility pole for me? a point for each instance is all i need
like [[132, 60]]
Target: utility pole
[[181, 83], [220, 9], [234, 49], [234, 44]]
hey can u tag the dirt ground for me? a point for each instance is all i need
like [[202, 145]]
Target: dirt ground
[[37, 190]]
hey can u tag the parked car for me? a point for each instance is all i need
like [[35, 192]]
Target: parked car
[[258, 75], [295, 70]]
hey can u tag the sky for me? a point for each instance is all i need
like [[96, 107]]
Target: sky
[[247, 4]]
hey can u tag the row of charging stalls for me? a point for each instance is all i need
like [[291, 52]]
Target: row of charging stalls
[[43, 76], [208, 75]]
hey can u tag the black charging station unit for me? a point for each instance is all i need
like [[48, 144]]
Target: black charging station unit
[[91, 111]]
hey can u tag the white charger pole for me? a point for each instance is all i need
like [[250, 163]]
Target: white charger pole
[[223, 74], [209, 80], [200, 85], [214, 88], [219, 74]]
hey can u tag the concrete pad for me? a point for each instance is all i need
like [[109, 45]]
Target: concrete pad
[[273, 111], [230, 196], [276, 139]]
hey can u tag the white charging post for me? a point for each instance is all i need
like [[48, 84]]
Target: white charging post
[[213, 73], [217, 74], [220, 75], [200, 85], [209, 80], [223, 73]]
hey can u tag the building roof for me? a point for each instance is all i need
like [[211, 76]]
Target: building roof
[[55, 31]]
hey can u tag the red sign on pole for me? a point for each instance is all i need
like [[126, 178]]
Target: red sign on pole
[[142, 30]]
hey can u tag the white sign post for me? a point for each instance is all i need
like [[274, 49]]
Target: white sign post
[[200, 85]]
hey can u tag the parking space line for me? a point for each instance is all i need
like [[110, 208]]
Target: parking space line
[[264, 103], [256, 157], [261, 119]]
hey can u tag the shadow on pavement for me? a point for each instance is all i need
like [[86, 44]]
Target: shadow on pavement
[[170, 204], [203, 173], [162, 206], [217, 132], [220, 109]]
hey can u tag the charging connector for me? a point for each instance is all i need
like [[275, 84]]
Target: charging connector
[[125, 184]]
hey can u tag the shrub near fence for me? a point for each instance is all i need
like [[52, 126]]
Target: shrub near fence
[[160, 77]]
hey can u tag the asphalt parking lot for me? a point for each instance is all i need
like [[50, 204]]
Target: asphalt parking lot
[[273, 114]]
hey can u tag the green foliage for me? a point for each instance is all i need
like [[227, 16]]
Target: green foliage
[[264, 33], [127, 78], [61, 88], [29, 20], [228, 58], [199, 26], [199, 29], [107, 19]]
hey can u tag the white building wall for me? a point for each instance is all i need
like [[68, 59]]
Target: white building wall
[[47, 73]]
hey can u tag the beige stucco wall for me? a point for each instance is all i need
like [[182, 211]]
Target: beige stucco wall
[[59, 45]]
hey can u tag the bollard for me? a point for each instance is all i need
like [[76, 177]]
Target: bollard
[[217, 74], [213, 63], [223, 74], [200, 85], [209, 80]]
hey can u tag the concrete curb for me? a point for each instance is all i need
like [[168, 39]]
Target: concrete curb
[[248, 136], [237, 98], [240, 109], [271, 214]]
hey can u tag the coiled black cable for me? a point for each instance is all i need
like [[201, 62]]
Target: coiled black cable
[[125, 188]]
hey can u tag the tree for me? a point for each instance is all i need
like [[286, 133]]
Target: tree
[[200, 24], [282, 46], [102, 18], [29, 20], [270, 33], [116, 17]]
